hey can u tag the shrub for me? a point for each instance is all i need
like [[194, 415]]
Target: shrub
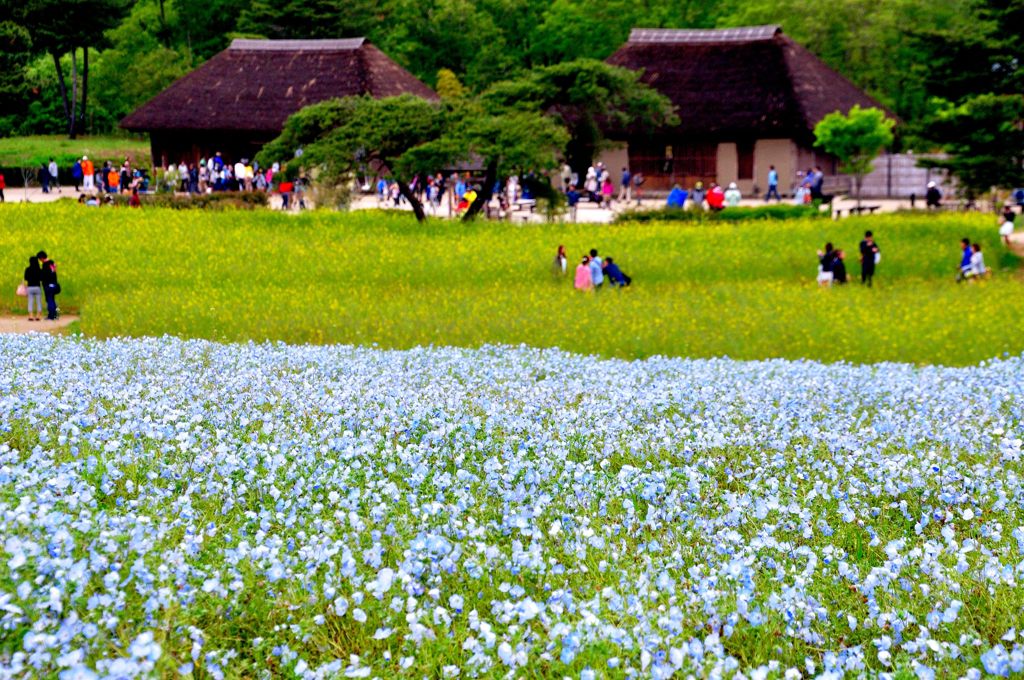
[[766, 212], [244, 200]]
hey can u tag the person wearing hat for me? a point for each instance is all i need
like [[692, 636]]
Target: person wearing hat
[[697, 195], [88, 174], [933, 197], [733, 195]]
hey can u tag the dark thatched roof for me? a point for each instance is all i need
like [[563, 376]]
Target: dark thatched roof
[[254, 85], [751, 81]]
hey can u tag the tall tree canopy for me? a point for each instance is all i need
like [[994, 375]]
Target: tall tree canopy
[[903, 52], [587, 96], [983, 138]]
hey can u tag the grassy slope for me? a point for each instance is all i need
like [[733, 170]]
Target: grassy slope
[[746, 291], [31, 151]]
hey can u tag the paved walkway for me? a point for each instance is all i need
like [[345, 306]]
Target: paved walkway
[[21, 324], [587, 211]]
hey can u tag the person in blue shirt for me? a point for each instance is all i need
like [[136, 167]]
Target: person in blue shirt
[[965, 260], [677, 197], [773, 185], [572, 197], [626, 187], [596, 265], [615, 276]]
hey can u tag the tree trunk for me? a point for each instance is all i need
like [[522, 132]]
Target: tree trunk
[[74, 91], [64, 95], [85, 87], [486, 191], [163, 26], [857, 180], [417, 207]]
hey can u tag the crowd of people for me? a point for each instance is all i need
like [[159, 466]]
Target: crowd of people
[[40, 281], [593, 272], [832, 262]]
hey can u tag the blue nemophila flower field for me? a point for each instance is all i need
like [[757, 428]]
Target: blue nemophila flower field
[[183, 508]]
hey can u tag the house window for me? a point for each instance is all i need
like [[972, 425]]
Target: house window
[[745, 160]]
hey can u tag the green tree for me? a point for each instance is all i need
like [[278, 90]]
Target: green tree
[[855, 139], [587, 97], [311, 18], [342, 136], [202, 28], [508, 142], [59, 27], [448, 85], [138, 65], [454, 34], [983, 138], [15, 54]]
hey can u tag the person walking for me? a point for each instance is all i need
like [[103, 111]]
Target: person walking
[[626, 186], [638, 184], [34, 288], [51, 288], [583, 280], [44, 177], [572, 198], [1006, 224], [773, 185], [76, 174], [607, 190], [88, 174], [53, 170], [870, 255]]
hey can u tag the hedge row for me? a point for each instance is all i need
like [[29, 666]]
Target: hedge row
[[768, 212], [219, 200]]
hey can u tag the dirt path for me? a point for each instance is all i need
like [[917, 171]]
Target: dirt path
[[21, 324], [1017, 243]]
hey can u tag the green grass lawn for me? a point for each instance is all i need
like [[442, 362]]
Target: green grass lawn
[[744, 290], [20, 152]]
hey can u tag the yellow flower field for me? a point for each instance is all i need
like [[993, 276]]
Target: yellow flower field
[[745, 291]]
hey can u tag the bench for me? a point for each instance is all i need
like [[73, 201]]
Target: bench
[[870, 209], [525, 204]]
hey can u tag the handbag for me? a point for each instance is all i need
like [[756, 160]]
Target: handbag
[[22, 290]]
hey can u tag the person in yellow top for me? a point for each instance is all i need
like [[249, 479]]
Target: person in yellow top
[[470, 196]]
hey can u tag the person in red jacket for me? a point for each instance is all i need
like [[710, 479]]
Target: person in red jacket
[[716, 197], [3, 185]]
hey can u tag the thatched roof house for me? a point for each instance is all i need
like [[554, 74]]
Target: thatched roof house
[[239, 100], [747, 98]]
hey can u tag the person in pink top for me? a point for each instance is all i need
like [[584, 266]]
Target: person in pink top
[[607, 189], [583, 279]]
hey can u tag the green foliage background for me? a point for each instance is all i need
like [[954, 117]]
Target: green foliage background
[[904, 52]]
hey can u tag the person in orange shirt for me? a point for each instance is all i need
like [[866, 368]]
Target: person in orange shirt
[[112, 180], [88, 174]]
